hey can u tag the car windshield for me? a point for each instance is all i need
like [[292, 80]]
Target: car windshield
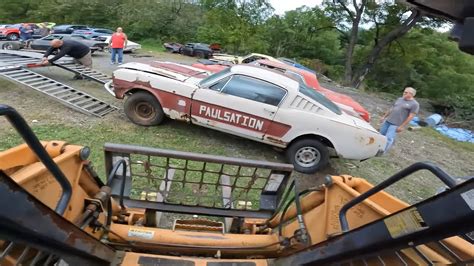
[[319, 98], [213, 78]]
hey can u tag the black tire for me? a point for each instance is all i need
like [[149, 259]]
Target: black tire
[[308, 155], [199, 54], [13, 37], [143, 109], [11, 46]]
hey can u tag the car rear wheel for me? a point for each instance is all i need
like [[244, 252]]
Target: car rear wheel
[[13, 37], [143, 109], [308, 155], [199, 54]]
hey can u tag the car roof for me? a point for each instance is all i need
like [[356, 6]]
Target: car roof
[[266, 74], [69, 25]]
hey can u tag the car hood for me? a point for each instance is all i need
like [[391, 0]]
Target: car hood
[[183, 73], [225, 57]]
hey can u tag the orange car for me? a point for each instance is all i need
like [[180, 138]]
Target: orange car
[[345, 102]]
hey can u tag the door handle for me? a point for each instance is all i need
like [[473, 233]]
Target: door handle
[[268, 110]]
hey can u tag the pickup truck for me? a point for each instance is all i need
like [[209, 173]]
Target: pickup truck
[[248, 101]]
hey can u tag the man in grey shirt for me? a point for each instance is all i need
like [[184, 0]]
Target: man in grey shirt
[[399, 115]]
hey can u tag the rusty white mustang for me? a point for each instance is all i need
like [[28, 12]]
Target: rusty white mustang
[[248, 101]]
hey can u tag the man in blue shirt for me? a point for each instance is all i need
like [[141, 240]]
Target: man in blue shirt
[[26, 33]]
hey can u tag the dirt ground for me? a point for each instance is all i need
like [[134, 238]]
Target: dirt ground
[[410, 147]]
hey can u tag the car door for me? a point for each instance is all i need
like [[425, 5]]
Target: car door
[[43, 43], [188, 49], [238, 104]]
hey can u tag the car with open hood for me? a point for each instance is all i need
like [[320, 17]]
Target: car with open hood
[[248, 101], [235, 59]]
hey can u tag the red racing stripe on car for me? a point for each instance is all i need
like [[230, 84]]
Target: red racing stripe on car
[[167, 100], [217, 113], [237, 118]]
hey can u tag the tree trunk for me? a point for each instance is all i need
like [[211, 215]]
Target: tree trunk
[[380, 45], [350, 51], [353, 37]]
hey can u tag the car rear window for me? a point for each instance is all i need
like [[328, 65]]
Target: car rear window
[[319, 98]]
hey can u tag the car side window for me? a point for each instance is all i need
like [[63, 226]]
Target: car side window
[[219, 85], [254, 89]]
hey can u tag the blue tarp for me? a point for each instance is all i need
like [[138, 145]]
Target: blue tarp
[[458, 134]]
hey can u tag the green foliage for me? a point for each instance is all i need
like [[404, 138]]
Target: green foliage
[[426, 60]]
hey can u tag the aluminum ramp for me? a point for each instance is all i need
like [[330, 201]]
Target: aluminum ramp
[[77, 100], [7, 59], [85, 72]]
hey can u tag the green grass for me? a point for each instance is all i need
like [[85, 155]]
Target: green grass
[[451, 142], [152, 45]]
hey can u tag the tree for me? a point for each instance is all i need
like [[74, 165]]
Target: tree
[[237, 24], [389, 22]]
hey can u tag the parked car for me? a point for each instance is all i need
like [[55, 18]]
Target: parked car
[[173, 47], [248, 101], [12, 45], [200, 50], [12, 32], [44, 43], [235, 59], [93, 33], [129, 48], [68, 29], [346, 103]]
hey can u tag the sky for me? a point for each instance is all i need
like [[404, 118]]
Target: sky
[[285, 5]]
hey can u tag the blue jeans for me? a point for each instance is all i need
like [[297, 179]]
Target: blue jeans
[[119, 52], [389, 130]]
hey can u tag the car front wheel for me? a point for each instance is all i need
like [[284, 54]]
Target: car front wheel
[[308, 155], [11, 46], [143, 109]]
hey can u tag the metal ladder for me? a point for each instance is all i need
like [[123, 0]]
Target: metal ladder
[[86, 72], [65, 94]]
